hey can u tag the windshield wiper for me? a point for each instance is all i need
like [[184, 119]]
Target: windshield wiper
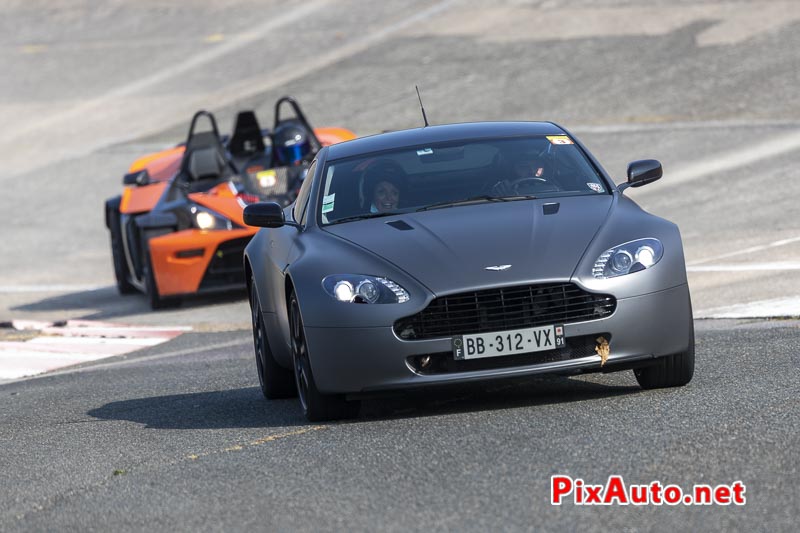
[[365, 216], [478, 199]]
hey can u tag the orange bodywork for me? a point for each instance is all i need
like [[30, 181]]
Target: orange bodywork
[[160, 165], [180, 260], [329, 136], [181, 275], [141, 199]]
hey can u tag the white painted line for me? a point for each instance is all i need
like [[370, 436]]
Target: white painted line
[[734, 159], [746, 267], [55, 357], [101, 135], [126, 333], [22, 325], [16, 363], [289, 73], [78, 325], [53, 347], [229, 95], [156, 357], [746, 251], [84, 341], [50, 288], [777, 307], [101, 330], [207, 55]]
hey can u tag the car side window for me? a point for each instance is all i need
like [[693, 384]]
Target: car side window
[[301, 204]]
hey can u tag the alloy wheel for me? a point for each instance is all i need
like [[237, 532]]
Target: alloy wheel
[[258, 334], [299, 354]]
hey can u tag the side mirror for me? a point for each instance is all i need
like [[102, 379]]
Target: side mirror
[[265, 215], [138, 178], [643, 172]]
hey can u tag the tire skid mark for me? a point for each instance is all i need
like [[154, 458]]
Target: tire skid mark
[[128, 470], [257, 442]]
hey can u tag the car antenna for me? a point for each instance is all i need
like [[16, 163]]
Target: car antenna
[[424, 116]]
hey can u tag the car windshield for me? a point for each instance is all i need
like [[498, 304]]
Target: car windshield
[[445, 175]]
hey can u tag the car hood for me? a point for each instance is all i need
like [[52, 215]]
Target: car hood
[[449, 249]]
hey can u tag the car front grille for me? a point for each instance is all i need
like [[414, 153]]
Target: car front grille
[[226, 267], [505, 308]]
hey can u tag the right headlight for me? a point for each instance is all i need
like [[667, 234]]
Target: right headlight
[[205, 219], [627, 258], [358, 288]]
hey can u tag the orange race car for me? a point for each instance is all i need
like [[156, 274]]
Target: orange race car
[[177, 227]]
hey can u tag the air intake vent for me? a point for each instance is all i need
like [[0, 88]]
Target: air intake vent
[[505, 308]]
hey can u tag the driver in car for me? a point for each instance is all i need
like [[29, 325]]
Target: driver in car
[[529, 173], [530, 168]]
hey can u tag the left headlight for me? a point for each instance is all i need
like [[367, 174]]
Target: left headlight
[[206, 219], [627, 258], [359, 288]]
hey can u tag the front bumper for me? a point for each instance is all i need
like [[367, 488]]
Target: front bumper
[[195, 261], [353, 360]]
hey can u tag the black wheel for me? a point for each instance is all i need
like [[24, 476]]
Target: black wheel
[[316, 406], [276, 381], [121, 271], [671, 371], [156, 300]]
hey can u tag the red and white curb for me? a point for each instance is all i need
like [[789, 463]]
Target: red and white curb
[[74, 342]]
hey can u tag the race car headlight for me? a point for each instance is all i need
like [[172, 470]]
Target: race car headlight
[[207, 220], [356, 288], [628, 258]]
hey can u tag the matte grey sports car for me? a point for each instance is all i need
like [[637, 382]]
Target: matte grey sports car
[[458, 253]]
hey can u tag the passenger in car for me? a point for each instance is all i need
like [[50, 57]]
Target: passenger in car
[[385, 197], [385, 181]]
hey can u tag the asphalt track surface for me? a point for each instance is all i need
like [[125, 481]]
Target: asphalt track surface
[[706, 87], [195, 447]]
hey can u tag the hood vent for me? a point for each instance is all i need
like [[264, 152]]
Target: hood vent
[[550, 209], [399, 224]]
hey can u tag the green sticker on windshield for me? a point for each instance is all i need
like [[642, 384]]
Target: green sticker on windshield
[[327, 203]]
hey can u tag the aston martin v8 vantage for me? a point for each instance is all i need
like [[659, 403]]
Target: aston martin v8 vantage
[[459, 253]]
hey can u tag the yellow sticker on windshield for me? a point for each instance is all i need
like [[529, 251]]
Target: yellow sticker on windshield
[[559, 139]]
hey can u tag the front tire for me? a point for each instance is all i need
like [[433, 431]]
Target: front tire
[[276, 382], [671, 371], [121, 272], [316, 405]]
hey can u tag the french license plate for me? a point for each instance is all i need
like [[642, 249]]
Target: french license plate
[[509, 342]]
